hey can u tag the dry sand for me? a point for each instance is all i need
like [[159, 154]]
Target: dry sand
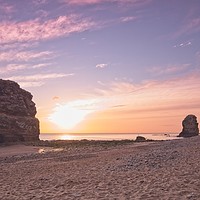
[[160, 170]]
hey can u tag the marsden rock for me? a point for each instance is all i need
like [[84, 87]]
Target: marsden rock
[[17, 114], [190, 127]]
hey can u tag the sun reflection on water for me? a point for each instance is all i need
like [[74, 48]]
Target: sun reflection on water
[[66, 137]]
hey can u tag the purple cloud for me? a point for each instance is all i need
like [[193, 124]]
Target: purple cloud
[[35, 30]]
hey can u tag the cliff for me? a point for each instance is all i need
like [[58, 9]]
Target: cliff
[[17, 114]]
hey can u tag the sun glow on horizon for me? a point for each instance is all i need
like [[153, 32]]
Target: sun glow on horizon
[[71, 114], [67, 137]]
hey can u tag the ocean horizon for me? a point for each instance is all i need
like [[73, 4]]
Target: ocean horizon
[[107, 136]]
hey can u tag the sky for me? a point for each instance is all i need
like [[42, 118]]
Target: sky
[[104, 66]]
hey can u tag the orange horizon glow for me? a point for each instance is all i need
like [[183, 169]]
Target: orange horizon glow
[[121, 111]]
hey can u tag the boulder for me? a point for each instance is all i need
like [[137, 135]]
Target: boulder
[[17, 114], [190, 127], [140, 139]]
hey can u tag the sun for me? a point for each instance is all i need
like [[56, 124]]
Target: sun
[[67, 118], [69, 115]]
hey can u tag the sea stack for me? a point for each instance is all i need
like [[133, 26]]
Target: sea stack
[[17, 114], [190, 127]]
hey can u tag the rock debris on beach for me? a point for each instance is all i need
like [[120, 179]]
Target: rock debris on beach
[[155, 170]]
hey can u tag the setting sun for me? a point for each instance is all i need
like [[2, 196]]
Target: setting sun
[[69, 115]]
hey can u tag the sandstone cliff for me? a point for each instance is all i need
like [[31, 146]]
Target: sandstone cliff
[[17, 114]]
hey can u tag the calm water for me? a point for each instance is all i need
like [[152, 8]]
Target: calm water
[[104, 136]]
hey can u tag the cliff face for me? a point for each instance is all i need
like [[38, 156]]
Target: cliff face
[[17, 114]]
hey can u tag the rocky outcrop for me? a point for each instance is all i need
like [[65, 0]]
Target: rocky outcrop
[[140, 139], [17, 114], [190, 127]]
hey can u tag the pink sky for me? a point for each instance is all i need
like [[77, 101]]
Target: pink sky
[[104, 65]]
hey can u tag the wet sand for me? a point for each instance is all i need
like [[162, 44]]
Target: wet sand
[[18, 150], [150, 170]]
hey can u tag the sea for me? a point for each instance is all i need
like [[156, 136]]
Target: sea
[[107, 136]]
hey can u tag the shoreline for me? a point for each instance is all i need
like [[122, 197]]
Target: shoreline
[[106, 136], [145, 170], [45, 146]]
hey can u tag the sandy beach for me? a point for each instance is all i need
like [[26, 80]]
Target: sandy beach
[[150, 170]]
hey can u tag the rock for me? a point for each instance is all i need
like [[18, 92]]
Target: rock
[[140, 139], [17, 114], [190, 127]]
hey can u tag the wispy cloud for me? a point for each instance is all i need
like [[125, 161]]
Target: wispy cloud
[[55, 98], [42, 13], [153, 96], [164, 107], [183, 44], [39, 2], [6, 8], [31, 84], [36, 80], [101, 83], [83, 2], [20, 46], [170, 69], [190, 26], [102, 65], [118, 89], [128, 19], [41, 65], [150, 101], [11, 68], [86, 2], [121, 87], [15, 55], [35, 30], [16, 67], [38, 77]]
